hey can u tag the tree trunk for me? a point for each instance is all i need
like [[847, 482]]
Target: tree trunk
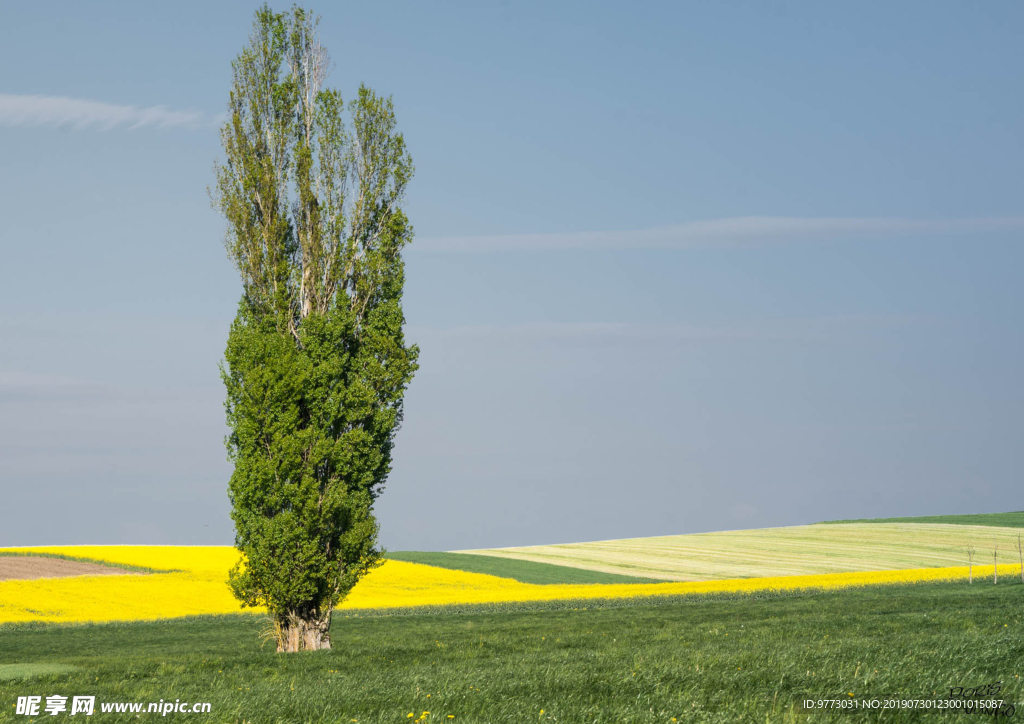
[[297, 633]]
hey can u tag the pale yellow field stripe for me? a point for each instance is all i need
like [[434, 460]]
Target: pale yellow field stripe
[[796, 550]]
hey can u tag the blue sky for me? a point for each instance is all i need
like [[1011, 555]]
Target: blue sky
[[679, 267]]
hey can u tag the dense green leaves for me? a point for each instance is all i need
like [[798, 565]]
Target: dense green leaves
[[316, 363]]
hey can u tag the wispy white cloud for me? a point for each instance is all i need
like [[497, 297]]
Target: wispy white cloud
[[78, 113], [581, 331], [744, 230]]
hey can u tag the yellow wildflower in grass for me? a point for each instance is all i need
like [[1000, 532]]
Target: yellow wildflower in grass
[[200, 586]]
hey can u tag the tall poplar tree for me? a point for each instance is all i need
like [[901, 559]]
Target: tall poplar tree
[[316, 364]]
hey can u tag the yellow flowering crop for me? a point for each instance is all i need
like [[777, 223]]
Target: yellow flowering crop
[[200, 586], [397, 584]]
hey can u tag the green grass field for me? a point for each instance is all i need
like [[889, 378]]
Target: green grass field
[[1002, 520], [725, 659], [522, 571], [25, 672], [796, 550]]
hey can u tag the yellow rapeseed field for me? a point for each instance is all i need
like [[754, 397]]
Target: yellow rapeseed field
[[199, 586]]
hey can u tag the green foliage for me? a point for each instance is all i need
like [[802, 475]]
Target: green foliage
[[316, 364], [1000, 520], [522, 571], [730, 659]]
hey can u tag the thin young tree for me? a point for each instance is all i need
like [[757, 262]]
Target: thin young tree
[[970, 563], [995, 562], [316, 364], [1020, 555]]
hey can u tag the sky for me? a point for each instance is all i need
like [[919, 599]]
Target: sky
[[679, 267]]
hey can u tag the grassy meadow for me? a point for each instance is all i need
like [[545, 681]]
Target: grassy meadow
[[712, 659]]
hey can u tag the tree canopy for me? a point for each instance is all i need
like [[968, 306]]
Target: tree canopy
[[316, 364]]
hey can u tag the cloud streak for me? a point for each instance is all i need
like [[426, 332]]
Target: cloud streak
[[738, 231], [39, 111]]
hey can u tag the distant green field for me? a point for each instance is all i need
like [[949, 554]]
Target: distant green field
[[1002, 520], [731, 659], [522, 571]]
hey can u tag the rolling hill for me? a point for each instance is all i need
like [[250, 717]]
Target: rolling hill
[[794, 550]]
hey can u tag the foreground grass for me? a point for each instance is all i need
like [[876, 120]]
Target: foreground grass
[[790, 551], [726, 659], [1003, 520], [522, 571], [21, 672]]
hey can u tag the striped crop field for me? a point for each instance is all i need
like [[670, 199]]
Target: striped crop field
[[196, 584], [791, 551]]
